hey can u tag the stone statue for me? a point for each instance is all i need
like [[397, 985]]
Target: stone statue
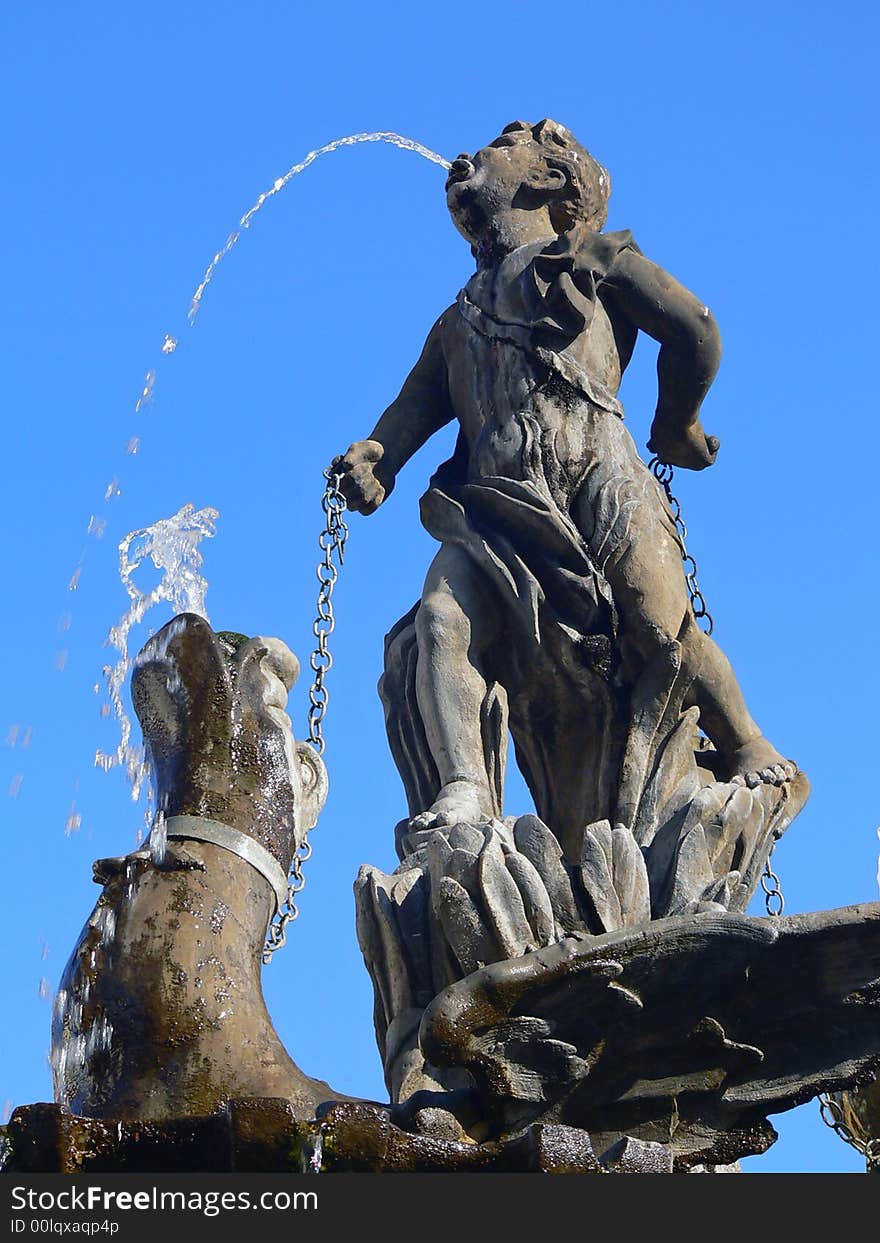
[[559, 578], [577, 967], [164, 983]]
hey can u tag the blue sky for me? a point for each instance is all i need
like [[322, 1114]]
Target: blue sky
[[741, 140]]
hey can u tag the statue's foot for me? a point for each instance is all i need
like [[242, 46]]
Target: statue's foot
[[459, 802], [758, 761]]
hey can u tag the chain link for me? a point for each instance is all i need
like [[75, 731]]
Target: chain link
[[664, 473], [331, 541], [830, 1110], [773, 898], [832, 1114]]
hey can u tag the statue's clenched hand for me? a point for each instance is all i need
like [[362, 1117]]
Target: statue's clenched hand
[[689, 447], [365, 480]]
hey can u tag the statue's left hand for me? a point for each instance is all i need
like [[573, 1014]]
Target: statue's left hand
[[688, 447]]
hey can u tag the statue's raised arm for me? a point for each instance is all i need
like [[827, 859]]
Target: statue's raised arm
[[369, 467]]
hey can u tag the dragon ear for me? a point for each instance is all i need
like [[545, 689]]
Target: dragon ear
[[315, 784]]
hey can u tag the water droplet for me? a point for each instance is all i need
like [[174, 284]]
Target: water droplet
[[64, 622], [12, 736], [147, 392], [61, 660], [28, 735], [74, 579], [73, 823], [112, 490], [15, 785], [44, 950], [169, 345], [133, 445], [97, 526], [44, 990]]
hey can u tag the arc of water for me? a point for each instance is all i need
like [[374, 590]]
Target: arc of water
[[351, 140], [133, 758]]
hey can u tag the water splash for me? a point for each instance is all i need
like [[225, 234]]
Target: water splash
[[172, 545], [159, 839], [351, 140]]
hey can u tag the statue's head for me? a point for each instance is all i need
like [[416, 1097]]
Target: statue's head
[[532, 167], [211, 706]]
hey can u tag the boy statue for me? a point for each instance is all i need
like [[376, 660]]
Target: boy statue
[[559, 579]]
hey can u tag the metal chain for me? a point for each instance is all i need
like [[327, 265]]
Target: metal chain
[[663, 473], [773, 898], [331, 541], [832, 1115], [830, 1110]]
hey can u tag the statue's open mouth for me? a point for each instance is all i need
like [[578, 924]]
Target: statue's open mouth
[[459, 170]]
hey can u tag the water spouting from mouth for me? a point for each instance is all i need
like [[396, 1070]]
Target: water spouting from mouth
[[172, 545]]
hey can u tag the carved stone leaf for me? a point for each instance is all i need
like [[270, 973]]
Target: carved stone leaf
[[535, 841], [380, 944], [673, 780], [462, 866], [438, 855], [662, 853], [693, 872], [467, 936], [614, 876], [732, 834], [630, 878], [597, 875], [466, 837], [502, 902], [536, 900]]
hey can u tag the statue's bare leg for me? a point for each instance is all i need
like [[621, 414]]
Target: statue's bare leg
[[455, 624], [646, 577]]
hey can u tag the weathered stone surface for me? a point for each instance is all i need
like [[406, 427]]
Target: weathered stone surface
[[446, 912], [687, 1031], [260, 1135], [160, 1011]]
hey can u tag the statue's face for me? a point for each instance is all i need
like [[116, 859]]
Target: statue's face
[[481, 186]]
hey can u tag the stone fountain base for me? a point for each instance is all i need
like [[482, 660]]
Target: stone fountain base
[[261, 1135]]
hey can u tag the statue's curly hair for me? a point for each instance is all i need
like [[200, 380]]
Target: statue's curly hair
[[588, 183]]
